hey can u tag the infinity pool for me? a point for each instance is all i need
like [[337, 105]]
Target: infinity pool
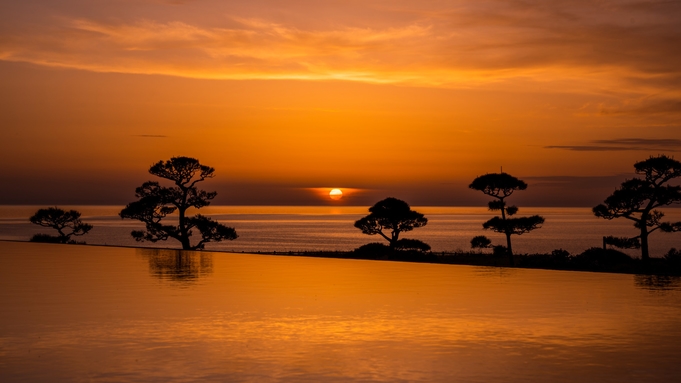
[[83, 313]]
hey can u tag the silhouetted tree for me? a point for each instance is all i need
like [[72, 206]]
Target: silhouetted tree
[[156, 202], [393, 215], [481, 242], [501, 186], [637, 198], [67, 224]]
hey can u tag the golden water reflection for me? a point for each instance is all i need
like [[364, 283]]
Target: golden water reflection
[[77, 313]]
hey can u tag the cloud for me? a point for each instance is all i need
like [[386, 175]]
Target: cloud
[[150, 135], [662, 142], [579, 45], [570, 190], [582, 181], [589, 148], [256, 49], [644, 107], [625, 144]]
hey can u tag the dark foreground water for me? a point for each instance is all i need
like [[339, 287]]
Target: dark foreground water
[[83, 314]]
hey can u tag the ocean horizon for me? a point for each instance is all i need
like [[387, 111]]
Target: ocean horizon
[[330, 228]]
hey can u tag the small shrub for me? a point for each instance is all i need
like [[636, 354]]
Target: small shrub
[[412, 244], [481, 242], [673, 259], [374, 250], [46, 238], [597, 258], [499, 250], [560, 255]]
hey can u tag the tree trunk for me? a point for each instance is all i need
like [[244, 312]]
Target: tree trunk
[[645, 256], [393, 241], [509, 250], [644, 233], [184, 236]]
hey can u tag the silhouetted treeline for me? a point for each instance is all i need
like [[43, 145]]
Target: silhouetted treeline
[[637, 199], [592, 259]]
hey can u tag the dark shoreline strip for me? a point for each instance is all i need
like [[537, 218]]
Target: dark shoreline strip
[[655, 266]]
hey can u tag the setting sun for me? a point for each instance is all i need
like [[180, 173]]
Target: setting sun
[[336, 194]]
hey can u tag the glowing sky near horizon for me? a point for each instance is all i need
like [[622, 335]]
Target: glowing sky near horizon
[[403, 98]]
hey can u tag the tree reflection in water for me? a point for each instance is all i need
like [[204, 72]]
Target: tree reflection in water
[[657, 282], [177, 265]]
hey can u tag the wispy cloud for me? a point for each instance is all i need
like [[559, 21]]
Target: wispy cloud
[[593, 46], [625, 144], [256, 49], [648, 106]]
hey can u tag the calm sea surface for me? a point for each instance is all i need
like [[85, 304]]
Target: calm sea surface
[[103, 314], [277, 228]]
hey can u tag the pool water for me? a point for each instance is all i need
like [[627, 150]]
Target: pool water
[[104, 314]]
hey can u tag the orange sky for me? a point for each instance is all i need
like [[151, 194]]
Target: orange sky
[[387, 98]]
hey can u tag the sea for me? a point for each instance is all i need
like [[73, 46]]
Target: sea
[[330, 228]]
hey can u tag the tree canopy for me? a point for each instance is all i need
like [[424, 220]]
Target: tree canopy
[[156, 202], [636, 199], [500, 186], [517, 226], [67, 224], [388, 218]]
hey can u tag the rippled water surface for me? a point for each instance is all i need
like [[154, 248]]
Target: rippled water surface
[[83, 313]]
